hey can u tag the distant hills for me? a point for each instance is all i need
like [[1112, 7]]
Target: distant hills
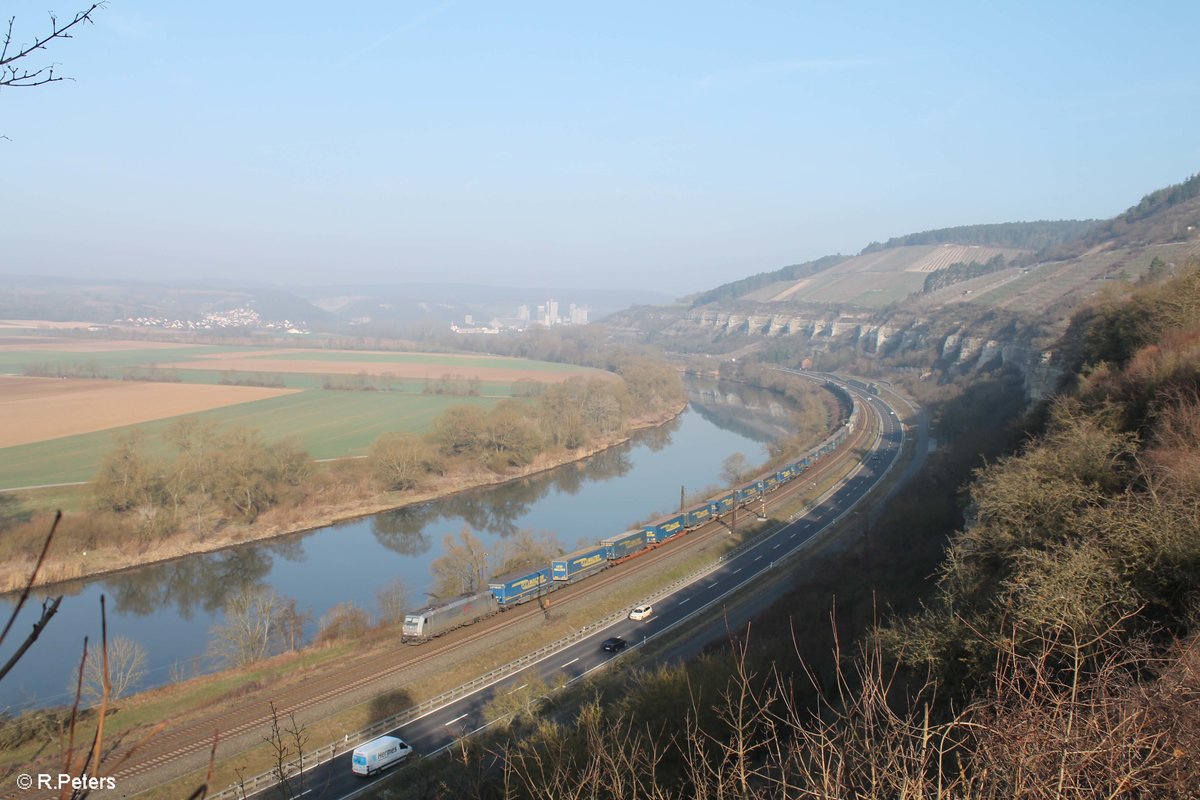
[[945, 301], [904, 268], [1166, 216], [341, 309]]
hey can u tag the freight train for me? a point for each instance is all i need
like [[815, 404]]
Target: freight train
[[512, 589]]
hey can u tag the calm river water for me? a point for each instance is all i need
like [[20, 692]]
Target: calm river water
[[170, 608]]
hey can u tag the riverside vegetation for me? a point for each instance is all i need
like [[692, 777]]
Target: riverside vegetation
[[1053, 654], [219, 487]]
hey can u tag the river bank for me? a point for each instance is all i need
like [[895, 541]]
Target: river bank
[[333, 504]]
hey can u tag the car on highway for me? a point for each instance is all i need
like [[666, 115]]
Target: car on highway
[[614, 645], [378, 754], [641, 612]]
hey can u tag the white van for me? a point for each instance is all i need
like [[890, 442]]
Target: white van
[[378, 754], [641, 612]]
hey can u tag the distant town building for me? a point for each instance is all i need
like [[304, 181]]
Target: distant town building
[[546, 313], [241, 317]]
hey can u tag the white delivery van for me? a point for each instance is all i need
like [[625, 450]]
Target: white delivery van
[[378, 754]]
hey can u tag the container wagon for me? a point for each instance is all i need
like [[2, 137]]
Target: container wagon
[[770, 482], [579, 564], [519, 587], [618, 548], [695, 517], [423, 625], [721, 504], [663, 529], [751, 491]]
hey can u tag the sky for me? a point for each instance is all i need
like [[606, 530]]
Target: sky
[[669, 146]]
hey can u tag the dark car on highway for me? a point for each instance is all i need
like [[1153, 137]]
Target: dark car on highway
[[614, 645]]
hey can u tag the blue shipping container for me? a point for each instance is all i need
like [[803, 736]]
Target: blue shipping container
[[699, 515], [749, 492], [722, 504], [578, 564], [628, 543], [662, 529], [517, 587]]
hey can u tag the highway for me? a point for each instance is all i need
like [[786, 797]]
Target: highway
[[441, 728]]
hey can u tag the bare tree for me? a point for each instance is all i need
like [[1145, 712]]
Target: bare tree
[[734, 468], [126, 668], [251, 629], [343, 621], [463, 569], [287, 753], [292, 622], [15, 68], [401, 461], [393, 601]]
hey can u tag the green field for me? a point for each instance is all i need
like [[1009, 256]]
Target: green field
[[14, 361], [328, 424], [447, 363], [302, 380]]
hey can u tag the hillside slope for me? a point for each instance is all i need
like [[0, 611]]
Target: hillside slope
[[940, 309]]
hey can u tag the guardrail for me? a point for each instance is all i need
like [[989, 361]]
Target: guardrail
[[271, 778]]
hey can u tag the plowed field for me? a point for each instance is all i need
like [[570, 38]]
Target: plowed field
[[37, 409]]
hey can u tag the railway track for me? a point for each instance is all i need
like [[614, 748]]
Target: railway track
[[195, 737]]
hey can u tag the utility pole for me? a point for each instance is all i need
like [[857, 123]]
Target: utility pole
[[681, 496]]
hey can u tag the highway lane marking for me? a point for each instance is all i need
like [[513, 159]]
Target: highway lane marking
[[684, 600], [569, 663], [736, 571], [779, 545], [456, 719], [757, 557], [519, 688]]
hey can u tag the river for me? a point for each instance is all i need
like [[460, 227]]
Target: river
[[170, 608]]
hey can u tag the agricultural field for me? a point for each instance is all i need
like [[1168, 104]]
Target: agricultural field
[[876, 279], [866, 289], [58, 430], [37, 409], [1043, 286]]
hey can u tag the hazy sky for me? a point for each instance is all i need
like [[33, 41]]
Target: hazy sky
[[671, 145]]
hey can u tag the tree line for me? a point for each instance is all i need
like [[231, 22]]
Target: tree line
[[735, 289], [234, 473], [564, 416], [203, 477], [961, 271], [92, 369], [1037, 235]]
